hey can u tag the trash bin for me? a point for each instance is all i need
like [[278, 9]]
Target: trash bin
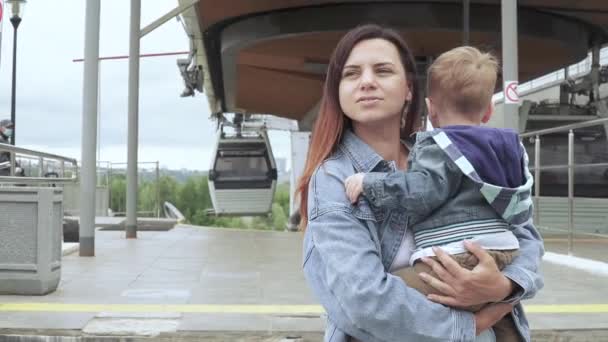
[[31, 225]]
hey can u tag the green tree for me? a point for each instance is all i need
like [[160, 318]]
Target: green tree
[[118, 193], [279, 218], [146, 200], [192, 198], [281, 197]]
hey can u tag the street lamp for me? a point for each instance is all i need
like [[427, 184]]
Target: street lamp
[[16, 8]]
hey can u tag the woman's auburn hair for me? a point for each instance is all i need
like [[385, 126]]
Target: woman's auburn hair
[[331, 121]]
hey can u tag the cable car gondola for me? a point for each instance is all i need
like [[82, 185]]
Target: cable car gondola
[[243, 174]]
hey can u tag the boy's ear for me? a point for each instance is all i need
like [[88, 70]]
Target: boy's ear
[[430, 106], [488, 113]]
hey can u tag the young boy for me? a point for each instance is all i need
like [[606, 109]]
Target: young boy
[[464, 181]]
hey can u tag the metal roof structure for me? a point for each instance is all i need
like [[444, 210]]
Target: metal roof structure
[[269, 56]]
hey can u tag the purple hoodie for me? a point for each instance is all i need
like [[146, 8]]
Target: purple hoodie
[[495, 153]]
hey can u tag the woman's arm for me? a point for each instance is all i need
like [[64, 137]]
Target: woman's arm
[[490, 315], [461, 287], [344, 269], [485, 283], [524, 270]]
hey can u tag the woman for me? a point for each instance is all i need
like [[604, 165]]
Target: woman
[[371, 101]]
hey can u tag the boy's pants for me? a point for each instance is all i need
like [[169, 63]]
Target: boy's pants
[[504, 329]]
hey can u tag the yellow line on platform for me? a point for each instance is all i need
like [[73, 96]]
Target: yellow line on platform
[[232, 309], [567, 308], [251, 309]]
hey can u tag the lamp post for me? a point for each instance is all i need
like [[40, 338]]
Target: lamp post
[[16, 8]]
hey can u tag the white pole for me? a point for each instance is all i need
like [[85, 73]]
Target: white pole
[[89, 131], [133, 125]]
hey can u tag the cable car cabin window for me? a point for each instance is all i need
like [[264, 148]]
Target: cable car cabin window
[[243, 167]]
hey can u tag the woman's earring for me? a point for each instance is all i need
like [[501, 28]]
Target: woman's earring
[[404, 115]]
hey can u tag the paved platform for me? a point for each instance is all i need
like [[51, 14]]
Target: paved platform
[[584, 245], [193, 283]]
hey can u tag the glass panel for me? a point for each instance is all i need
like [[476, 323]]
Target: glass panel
[[241, 168]]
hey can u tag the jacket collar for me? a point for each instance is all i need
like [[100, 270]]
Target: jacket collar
[[363, 157]]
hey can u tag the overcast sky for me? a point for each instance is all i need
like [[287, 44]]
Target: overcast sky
[[174, 130]]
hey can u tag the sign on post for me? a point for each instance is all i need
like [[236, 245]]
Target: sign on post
[[510, 92]]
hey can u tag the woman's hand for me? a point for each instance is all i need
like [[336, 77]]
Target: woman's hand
[[490, 315], [461, 287]]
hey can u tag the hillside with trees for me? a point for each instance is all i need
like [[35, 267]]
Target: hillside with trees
[[192, 198]]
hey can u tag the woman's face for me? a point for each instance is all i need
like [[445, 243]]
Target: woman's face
[[373, 87]]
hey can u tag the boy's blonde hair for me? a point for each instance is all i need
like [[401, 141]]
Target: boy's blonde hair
[[462, 80]]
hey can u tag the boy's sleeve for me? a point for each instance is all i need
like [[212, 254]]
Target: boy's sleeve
[[431, 180]]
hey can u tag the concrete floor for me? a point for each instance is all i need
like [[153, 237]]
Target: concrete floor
[[193, 283]]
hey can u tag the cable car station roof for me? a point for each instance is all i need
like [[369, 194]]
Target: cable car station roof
[[270, 56]]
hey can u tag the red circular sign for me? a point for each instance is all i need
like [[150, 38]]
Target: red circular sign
[[511, 92]]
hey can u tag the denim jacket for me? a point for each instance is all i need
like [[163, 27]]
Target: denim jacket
[[348, 250], [463, 182]]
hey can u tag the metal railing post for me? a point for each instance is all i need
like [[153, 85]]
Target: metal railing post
[[537, 181], [157, 190], [570, 191], [13, 159], [41, 167]]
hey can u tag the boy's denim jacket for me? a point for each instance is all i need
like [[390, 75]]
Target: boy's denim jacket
[[348, 250], [443, 191]]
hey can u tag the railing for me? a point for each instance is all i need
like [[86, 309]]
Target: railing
[[571, 166], [556, 77], [112, 171], [66, 172]]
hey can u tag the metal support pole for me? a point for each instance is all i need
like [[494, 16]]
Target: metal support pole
[[99, 110], [570, 191], [595, 81], [15, 21], [537, 180], [88, 172], [133, 126], [466, 22], [40, 167], [157, 190], [299, 151], [13, 163], [110, 176], [509, 58], [595, 71]]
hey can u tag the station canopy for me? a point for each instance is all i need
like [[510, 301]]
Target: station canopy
[[270, 56]]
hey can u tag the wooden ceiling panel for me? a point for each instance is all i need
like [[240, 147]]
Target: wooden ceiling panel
[[261, 90], [282, 72]]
